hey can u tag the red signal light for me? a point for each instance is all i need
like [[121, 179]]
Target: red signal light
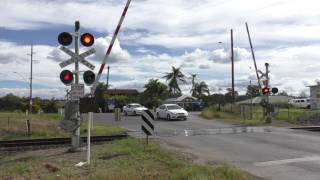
[[87, 39], [66, 77], [265, 90]]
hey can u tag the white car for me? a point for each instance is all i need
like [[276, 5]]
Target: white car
[[171, 111], [133, 109]]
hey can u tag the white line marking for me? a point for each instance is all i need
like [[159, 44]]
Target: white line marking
[[286, 161]]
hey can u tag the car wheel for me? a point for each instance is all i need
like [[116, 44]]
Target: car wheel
[[134, 113], [168, 117]]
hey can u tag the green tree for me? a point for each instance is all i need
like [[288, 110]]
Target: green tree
[[228, 96], [174, 78], [200, 89], [11, 102], [100, 95], [252, 91], [154, 93], [49, 106], [214, 100]]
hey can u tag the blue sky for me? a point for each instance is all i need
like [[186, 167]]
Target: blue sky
[[159, 34]]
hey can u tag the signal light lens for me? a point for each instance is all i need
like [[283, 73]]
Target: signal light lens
[[274, 90], [89, 77], [66, 77], [87, 39], [265, 90], [65, 38]]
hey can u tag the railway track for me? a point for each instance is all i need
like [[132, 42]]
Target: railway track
[[42, 143]]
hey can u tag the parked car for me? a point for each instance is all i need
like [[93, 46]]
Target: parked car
[[133, 109], [171, 111], [300, 103]]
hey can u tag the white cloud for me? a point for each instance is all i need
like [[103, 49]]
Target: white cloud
[[284, 33]]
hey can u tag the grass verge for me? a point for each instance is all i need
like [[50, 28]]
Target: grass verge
[[13, 126], [283, 117], [117, 160]]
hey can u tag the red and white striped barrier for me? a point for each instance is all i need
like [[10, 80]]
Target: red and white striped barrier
[[95, 84]]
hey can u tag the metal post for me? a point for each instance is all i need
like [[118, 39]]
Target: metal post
[[232, 68], [76, 133], [90, 114], [108, 77], [251, 117]]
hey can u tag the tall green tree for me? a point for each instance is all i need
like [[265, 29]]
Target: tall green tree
[[154, 93], [100, 95], [228, 96], [174, 77], [200, 89], [252, 91]]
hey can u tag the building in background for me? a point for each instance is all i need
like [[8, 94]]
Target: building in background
[[315, 96], [123, 92], [189, 103]]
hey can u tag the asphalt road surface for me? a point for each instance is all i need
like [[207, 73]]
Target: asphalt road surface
[[271, 153]]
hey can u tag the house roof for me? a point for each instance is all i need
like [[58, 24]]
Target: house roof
[[181, 98]]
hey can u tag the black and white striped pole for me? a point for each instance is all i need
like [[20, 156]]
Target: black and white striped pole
[[147, 127]]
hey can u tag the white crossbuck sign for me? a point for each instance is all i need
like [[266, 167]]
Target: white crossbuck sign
[[75, 57]]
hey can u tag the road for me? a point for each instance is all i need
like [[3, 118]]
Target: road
[[271, 153]]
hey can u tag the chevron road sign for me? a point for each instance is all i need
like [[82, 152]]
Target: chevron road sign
[[147, 127]]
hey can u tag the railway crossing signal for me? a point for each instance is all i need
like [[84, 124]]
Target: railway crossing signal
[[66, 76]]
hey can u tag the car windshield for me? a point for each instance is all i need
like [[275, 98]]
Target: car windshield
[[136, 105], [173, 107]]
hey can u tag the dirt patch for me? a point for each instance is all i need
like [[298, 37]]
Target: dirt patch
[[51, 168], [112, 156]]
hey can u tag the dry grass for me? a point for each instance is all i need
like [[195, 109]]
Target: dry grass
[[13, 126]]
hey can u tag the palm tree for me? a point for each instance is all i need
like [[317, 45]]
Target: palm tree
[[174, 78], [200, 89], [193, 80]]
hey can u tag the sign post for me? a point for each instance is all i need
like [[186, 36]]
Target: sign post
[[146, 126]]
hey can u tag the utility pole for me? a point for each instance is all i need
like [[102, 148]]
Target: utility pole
[[108, 78], [232, 68], [30, 84], [268, 117]]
